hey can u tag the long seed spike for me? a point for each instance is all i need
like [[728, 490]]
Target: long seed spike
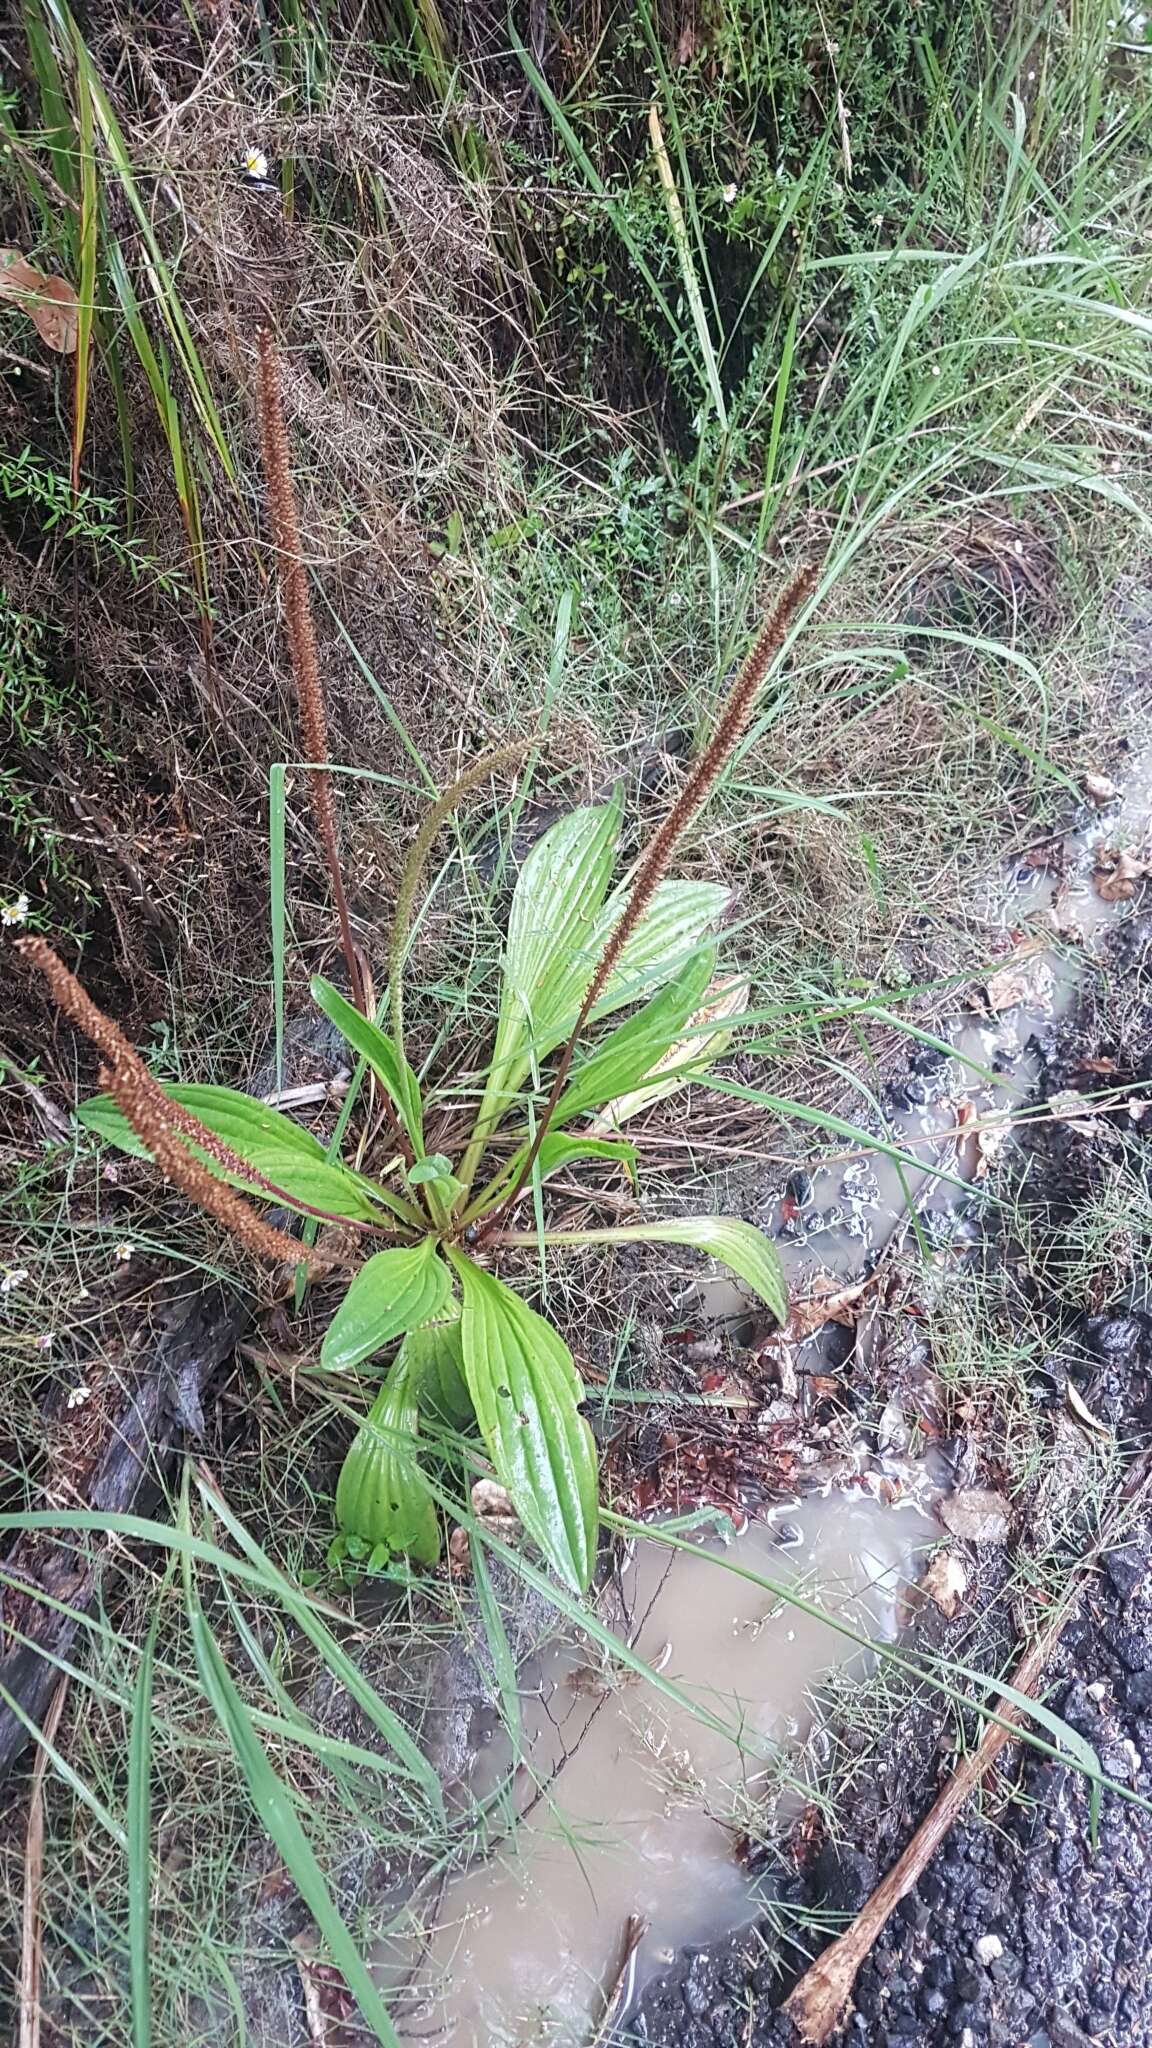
[[731, 724], [156, 1120]]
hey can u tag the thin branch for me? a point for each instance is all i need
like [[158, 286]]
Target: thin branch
[[488, 764]]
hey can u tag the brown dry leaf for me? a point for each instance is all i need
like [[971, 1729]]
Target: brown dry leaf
[[1026, 977], [50, 302], [838, 1305], [1117, 871], [1078, 1407], [976, 1515], [946, 1582]]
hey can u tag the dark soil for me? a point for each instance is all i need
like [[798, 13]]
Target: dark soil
[[1020, 1931]]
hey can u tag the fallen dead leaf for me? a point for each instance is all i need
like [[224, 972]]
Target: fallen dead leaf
[[1078, 1407], [946, 1582], [1117, 871], [1026, 977], [838, 1305], [50, 302], [976, 1515], [1068, 1106]]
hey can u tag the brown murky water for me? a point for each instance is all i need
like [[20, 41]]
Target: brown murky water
[[631, 1798]]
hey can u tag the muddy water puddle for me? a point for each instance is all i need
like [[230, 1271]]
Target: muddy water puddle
[[939, 1130], [633, 1794]]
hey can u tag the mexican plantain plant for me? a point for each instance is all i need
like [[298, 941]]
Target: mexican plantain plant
[[609, 998]]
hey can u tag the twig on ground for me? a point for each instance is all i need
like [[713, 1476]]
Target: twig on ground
[[30, 1945], [616, 1994], [815, 2004]]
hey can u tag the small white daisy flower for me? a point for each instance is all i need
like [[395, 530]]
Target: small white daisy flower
[[46, 1340], [78, 1396], [728, 194], [122, 1254], [935, 370], [14, 912], [255, 163], [14, 1276]]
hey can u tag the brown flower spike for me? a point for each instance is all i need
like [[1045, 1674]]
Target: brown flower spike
[[156, 1120], [301, 633], [732, 724]]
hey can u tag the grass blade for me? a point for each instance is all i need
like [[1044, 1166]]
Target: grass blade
[[274, 1808], [140, 1843]]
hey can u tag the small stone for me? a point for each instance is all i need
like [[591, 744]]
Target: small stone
[[988, 1949], [1097, 1690], [1117, 1762], [1125, 1569], [976, 1515], [1138, 1692]]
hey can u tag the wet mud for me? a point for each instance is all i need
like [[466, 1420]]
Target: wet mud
[[1021, 1930]]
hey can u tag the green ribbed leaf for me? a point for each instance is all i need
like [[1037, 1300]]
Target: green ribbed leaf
[[629, 1053], [526, 1393], [375, 1046], [382, 1497], [282, 1151], [391, 1293], [738, 1245], [435, 1355]]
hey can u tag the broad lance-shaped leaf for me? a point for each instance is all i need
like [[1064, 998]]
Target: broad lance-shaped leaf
[[375, 1046], [630, 1052], [242, 1121], [672, 927], [557, 933], [435, 1355], [549, 954], [382, 1497], [704, 1041], [281, 1151], [526, 1393], [391, 1293], [738, 1245], [559, 1149]]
